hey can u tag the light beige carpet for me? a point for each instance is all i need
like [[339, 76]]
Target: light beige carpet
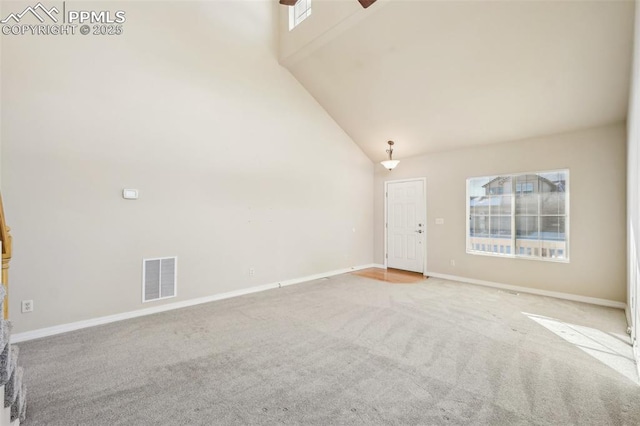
[[345, 350]]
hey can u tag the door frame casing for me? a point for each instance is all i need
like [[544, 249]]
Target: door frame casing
[[386, 210]]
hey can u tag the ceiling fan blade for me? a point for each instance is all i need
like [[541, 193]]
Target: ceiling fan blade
[[364, 3]]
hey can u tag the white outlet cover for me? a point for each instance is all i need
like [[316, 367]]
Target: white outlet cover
[[439, 221], [27, 306]]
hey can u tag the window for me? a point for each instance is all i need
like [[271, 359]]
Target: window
[[527, 213], [526, 187], [299, 12]]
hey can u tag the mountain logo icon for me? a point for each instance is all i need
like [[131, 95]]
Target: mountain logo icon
[[38, 11]]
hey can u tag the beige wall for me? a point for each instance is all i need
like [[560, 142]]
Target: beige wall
[[2, 9], [633, 189], [236, 164], [596, 160]]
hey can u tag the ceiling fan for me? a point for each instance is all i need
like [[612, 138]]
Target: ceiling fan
[[364, 3]]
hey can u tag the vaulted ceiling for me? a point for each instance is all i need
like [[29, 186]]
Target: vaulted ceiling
[[441, 75]]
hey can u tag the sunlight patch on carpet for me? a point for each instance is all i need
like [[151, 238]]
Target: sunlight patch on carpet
[[613, 350]]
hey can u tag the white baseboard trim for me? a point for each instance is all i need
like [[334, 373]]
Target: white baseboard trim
[[556, 294], [64, 328]]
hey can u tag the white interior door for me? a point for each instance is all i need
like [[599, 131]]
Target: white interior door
[[406, 225]]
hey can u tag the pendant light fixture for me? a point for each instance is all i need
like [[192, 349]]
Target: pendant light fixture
[[390, 163]]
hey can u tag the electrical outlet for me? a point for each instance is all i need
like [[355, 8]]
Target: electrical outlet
[[453, 262], [252, 272], [27, 306]]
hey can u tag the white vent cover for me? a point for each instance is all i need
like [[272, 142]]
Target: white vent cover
[[159, 278]]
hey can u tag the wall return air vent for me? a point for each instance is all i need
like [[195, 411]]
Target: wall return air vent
[[159, 278]]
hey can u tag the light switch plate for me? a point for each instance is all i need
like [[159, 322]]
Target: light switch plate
[[130, 194], [439, 221]]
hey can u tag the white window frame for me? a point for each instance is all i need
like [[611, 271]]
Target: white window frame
[[515, 254], [294, 20]]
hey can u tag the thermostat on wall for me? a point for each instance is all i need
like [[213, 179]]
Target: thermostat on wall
[[130, 194]]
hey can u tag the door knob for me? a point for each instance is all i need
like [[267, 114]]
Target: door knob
[[419, 231]]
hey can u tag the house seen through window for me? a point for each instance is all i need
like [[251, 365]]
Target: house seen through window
[[520, 215]]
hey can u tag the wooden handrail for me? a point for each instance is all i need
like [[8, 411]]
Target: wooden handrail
[[5, 237]]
